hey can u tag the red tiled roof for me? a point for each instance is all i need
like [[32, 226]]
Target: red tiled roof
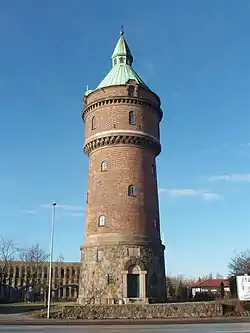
[[211, 283]]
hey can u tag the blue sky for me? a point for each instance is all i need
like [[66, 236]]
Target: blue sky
[[194, 54]]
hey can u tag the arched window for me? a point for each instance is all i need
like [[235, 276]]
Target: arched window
[[131, 190], [131, 91], [93, 123], [104, 166], [131, 117], [101, 221]]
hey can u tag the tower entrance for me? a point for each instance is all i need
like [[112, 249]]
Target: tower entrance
[[133, 285]]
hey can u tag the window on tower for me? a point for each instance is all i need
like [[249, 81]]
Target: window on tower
[[131, 117], [156, 224], [110, 278], [104, 166], [131, 190], [93, 123], [131, 91], [101, 221], [121, 60], [153, 169], [100, 255]]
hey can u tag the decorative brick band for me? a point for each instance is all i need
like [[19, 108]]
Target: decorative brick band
[[119, 100], [141, 141]]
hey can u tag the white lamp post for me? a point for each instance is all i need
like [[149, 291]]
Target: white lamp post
[[51, 255]]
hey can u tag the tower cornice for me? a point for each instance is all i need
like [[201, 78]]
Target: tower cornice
[[143, 141], [120, 100], [120, 132]]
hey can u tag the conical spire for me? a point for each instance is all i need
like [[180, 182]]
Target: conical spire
[[122, 53], [121, 71]]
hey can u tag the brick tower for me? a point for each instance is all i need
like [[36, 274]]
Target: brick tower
[[122, 259]]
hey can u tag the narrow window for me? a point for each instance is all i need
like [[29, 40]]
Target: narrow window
[[100, 255], [87, 197], [156, 224], [110, 278], [104, 166], [131, 91], [93, 123], [131, 190], [131, 117], [101, 221], [153, 169], [121, 60], [115, 61]]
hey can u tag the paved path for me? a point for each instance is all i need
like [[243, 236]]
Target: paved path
[[14, 316], [196, 328]]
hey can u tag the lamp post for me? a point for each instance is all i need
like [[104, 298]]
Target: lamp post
[[51, 255]]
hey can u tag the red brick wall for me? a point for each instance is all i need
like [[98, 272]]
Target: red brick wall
[[108, 191], [116, 115], [115, 91]]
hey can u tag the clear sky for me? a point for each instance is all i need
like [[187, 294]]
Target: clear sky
[[194, 54]]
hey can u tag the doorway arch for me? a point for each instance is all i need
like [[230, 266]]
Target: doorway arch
[[134, 280]]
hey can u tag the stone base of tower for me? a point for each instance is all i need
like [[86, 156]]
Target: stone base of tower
[[122, 274]]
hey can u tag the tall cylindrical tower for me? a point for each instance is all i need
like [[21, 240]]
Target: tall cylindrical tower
[[122, 257]]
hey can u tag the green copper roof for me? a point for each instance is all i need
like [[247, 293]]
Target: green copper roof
[[121, 71], [122, 48]]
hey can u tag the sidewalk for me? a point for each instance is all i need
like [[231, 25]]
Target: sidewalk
[[14, 320]]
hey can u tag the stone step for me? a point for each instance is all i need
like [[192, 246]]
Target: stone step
[[138, 300]]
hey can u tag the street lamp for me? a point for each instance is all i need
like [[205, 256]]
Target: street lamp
[[51, 255]]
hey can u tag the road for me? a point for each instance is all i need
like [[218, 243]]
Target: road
[[191, 328]]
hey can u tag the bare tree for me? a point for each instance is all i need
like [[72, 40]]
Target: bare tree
[[8, 252], [205, 277], [60, 259], [170, 288], [240, 264], [34, 257]]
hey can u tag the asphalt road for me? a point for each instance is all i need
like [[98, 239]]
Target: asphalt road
[[191, 328]]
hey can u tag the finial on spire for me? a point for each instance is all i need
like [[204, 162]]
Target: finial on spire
[[122, 31]]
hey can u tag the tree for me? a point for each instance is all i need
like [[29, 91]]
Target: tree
[[205, 277], [240, 264], [178, 287], [222, 290], [34, 258], [170, 288], [8, 252], [60, 259]]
